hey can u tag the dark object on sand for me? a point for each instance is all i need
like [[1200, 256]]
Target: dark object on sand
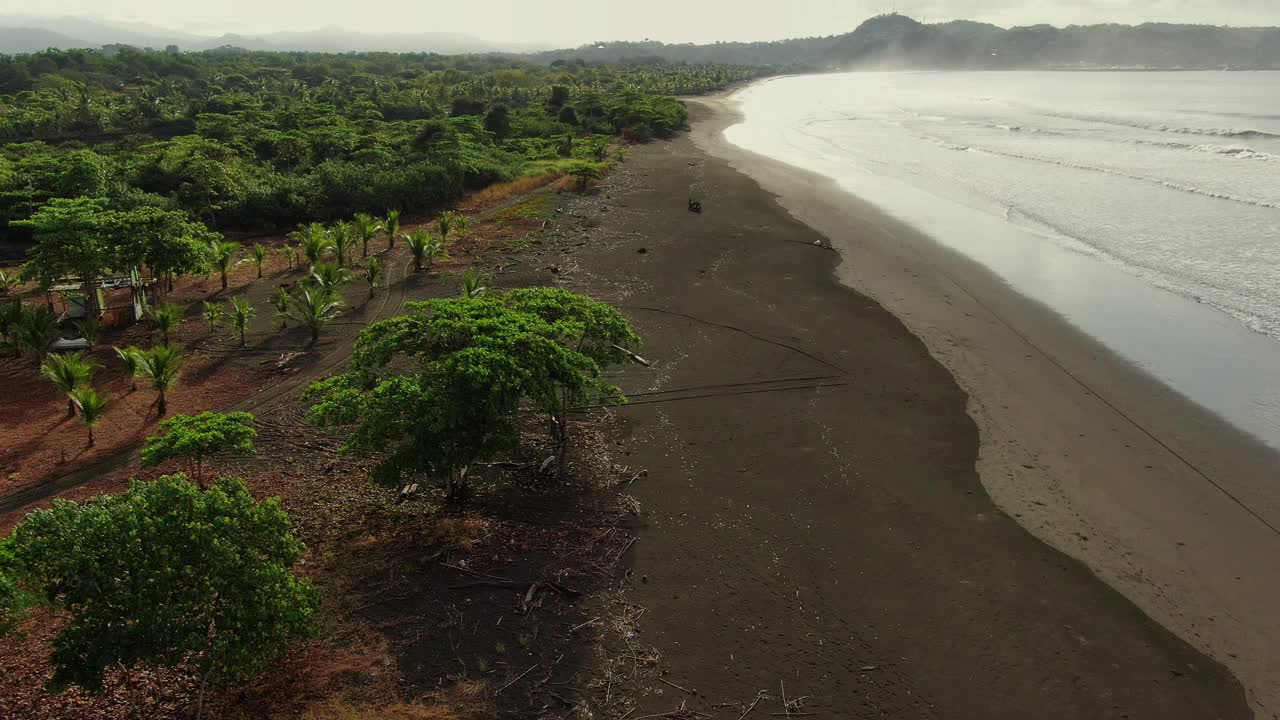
[[695, 205]]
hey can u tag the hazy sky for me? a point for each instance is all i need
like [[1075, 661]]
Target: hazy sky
[[573, 22]]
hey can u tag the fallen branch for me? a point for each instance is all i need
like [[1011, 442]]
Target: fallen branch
[[512, 680], [634, 357], [760, 695], [668, 682]]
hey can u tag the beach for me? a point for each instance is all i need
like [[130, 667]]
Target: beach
[[879, 481]]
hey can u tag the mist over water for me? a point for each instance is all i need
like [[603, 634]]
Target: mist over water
[[1142, 207]]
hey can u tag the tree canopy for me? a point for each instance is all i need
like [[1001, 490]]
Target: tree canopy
[[163, 574], [200, 436], [440, 387]]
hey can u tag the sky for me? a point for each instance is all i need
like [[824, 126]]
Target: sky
[[574, 22]]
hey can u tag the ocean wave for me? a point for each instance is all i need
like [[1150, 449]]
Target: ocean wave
[[1247, 133]]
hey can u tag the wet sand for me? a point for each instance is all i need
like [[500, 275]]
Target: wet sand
[[817, 508]]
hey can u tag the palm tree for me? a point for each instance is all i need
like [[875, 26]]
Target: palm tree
[[341, 236], [290, 254], [313, 308], [259, 257], [165, 317], [213, 315], [92, 406], [450, 221], [223, 251], [162, 364], [281, 304], [391, 226], [68, 372], [132, 367], [329, 277], [372, 271], [90, 329], [241, 312], [314, 240], [367, 228], [423, 244], [473, 284], [35, 332]]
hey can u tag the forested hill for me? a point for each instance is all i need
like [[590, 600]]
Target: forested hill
[[897, 41]]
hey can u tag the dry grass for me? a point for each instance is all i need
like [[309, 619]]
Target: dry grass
[[467, 700], [499, 192]]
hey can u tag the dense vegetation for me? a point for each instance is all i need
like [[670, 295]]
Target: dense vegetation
[[238, 141]]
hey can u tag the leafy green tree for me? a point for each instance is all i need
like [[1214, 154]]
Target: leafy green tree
[[92, 407], [423, 245], [68, 372], [366, 229], [589, 327], [259, 257], [166, 575], [224, 255], [441, 388], [372, 274], [86, 239], [166, 317], [391, 227], [162, 365], [213, 315], [280, 303], [342, 237], [199, 437], [241, 313], [131, 363], [313, 308]]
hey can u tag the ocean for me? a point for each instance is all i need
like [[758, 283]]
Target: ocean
[[1144, 208]]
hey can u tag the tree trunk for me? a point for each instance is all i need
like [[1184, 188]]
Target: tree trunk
[[200, 472], [90, 436], [160, 404], [315, 334], [241, 337], [224, 279], [71, 408]]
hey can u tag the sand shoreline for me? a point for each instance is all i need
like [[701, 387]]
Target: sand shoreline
[[1160, 499]]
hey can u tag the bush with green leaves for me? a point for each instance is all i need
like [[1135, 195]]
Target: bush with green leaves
[[198, 437], [163, 575]]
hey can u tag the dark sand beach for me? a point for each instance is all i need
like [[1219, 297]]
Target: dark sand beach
[[817, 507]]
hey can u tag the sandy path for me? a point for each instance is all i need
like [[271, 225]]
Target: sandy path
[[1158, 498]]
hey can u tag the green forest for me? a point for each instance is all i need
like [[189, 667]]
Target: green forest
[[243, 141]]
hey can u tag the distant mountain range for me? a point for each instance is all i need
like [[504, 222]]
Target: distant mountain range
[[886, 41], [26, 33], [896, 41]]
